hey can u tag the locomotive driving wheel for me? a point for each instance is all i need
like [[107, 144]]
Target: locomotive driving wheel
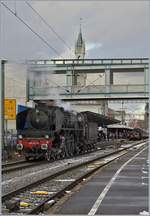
[[27, 158], [48, 156]]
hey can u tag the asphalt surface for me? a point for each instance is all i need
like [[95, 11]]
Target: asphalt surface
[[126, 192]]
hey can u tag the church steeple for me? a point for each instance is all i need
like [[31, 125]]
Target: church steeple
[[80, 45]]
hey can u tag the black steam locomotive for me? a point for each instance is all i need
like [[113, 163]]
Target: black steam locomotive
[[52, 132]]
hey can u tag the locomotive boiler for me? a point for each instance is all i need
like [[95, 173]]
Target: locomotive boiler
[[51, 132]]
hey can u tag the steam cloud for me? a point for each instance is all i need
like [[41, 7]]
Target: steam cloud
[[45, 87]]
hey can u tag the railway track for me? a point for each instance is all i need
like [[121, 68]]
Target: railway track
[[22, 164], [11, 167], [7, 165], [16, 166], [33, 198]]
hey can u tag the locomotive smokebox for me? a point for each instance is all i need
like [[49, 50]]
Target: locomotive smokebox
[[48, 103], [38, 119], [51, 103]]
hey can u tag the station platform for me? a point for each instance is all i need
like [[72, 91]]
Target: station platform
[[118, 189]]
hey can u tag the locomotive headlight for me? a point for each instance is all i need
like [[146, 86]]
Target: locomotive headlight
[[44, 146], [19, 146], [20, 136], [46, 136]]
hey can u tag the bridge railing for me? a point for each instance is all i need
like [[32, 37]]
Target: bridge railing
[[89, 61], [128, 88], [85, 90]]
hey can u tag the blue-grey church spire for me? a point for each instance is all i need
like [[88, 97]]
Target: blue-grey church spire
[[80, 45], [80, 78]]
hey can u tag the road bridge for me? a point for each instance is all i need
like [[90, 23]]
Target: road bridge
[[70, 79]]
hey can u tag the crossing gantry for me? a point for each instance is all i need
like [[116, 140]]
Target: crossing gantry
[[66, 79]]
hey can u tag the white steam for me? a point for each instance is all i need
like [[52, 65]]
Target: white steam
[[46, 87], [65, 105]]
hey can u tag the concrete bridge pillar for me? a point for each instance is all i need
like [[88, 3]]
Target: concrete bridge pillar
[[69, 78], [81, 79], [108, 79], [146, 78], [77, 79], [105, 108]]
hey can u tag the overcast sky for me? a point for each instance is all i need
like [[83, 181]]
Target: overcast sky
[[110, 29]]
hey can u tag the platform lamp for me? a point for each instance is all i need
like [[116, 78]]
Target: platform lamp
[[2, 96]]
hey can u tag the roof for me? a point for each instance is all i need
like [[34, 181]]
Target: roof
[[102, 120], [119, 126], [79, 40]]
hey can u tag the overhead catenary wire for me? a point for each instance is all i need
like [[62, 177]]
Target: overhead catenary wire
[[15, 7], [56, 85], [49, 26], [29, 27], [90, 82]]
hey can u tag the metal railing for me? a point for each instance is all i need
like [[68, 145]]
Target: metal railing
[[119, 61], [91, 89]]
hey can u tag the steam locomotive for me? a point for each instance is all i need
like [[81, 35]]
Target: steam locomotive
[[51, 132]]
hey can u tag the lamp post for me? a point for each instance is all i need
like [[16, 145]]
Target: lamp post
[[122, 114], [2, 84]]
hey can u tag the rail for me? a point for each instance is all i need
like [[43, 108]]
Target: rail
[[95, 165], [37, 208], [20, 165]]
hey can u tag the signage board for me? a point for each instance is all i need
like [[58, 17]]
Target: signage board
[[10, 109]]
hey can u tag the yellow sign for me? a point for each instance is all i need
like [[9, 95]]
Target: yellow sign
[[10, 109]]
